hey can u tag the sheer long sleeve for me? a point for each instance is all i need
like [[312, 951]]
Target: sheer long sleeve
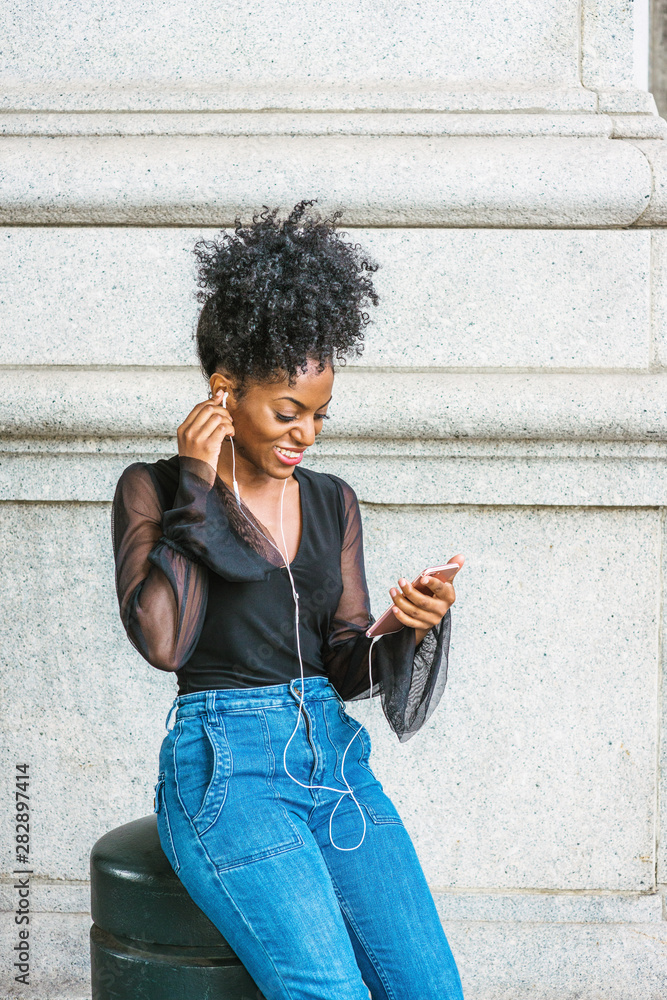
[[161, 590], [409, 678], [163, 547]]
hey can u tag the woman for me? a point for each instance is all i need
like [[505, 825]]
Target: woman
[[268, 810]]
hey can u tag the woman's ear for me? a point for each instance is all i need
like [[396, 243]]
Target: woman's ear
[[219, 382]]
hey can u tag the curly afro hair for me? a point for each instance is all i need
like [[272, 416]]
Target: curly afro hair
[[277, 294]]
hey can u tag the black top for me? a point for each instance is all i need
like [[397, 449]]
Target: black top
[[203, 592]]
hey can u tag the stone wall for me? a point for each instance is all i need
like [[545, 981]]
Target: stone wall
[[510, 405]]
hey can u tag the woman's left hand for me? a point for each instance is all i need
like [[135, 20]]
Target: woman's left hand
[[422, 611]]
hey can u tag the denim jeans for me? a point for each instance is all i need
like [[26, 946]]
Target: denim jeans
[[309, 920]]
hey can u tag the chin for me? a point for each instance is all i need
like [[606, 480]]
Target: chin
[[273, 467]]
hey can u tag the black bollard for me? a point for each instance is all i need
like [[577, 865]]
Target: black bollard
[[149, 940]]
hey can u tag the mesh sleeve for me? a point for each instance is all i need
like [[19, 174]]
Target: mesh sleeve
[[162, 591], [409, 678], [163, 548]]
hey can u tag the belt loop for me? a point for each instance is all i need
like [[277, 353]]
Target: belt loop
[[211, 714], [169, 714], [335, 692], [296, 691]]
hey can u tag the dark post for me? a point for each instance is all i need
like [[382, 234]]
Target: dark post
[[149, 940]]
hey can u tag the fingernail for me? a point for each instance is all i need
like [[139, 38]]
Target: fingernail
[[393, 591]]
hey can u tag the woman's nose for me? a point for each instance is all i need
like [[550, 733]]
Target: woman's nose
[[304, 433]]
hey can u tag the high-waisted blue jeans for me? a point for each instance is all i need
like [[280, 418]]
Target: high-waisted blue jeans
[[253, 848]]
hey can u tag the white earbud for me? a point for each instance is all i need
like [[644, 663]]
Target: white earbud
[[236, 485]]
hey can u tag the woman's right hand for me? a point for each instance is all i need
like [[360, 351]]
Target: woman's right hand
[[204, 429]]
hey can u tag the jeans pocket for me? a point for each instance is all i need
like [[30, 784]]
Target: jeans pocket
[[373, 798], [380, 808], [202, 768], [272, 833], [254, 822], [363, 756], [164, 826]]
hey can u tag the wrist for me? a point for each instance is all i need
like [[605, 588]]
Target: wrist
[[199, 467]]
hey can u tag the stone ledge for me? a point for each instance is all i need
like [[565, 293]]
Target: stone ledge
[[68, 435], [551, 907], [475, 476], [151, 402], [399, 96], [516, 124], [58, 896], [626, 126], [626, 101], [450, 299], [47, 895], [559, 961], [312, 96], [498, 959], [656, 211], [377, 180]]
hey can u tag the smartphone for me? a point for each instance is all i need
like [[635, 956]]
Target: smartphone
[[388, 622]]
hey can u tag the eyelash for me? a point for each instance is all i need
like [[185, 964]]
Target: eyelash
[[318, 416]]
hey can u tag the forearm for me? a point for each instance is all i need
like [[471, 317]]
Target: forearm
[[419, 634]]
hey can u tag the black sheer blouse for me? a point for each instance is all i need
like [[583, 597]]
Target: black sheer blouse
[[203, 592]]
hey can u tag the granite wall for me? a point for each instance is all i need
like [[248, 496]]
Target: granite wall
[[510, 404]]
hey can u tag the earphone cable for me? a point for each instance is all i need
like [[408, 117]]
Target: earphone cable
[[284, 555]]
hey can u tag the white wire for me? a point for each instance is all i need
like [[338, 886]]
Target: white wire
[[348, 790]]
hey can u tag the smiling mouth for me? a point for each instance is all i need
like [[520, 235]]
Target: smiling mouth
[[288, 452]]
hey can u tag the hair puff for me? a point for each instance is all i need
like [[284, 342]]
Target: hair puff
[[278, 293]]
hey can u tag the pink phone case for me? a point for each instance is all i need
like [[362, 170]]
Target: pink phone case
[[388, 622]]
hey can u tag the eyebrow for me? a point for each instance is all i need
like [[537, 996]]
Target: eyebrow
[[303, 405]]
